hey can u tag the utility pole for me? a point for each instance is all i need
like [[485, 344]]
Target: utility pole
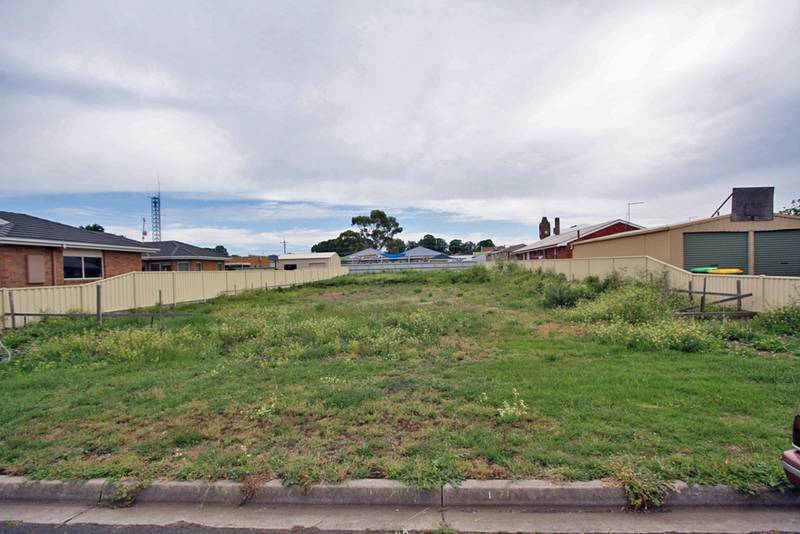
[[629, 209], [284, 246]]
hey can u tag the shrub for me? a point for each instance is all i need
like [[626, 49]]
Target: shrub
[[630, 304], [597, 285], [732, 330], [684, 335], [784, 321], [560, 294]]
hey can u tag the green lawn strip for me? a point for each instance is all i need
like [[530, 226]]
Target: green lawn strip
[[425, 379]]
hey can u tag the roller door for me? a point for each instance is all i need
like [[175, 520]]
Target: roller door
[[778, 252], [724, 249]]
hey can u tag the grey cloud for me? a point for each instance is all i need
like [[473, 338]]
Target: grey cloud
[[559, 106]]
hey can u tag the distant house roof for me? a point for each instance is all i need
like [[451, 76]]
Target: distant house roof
[[177, 250], [369, 251], [307, 256], [506, 249], [571, 234], [22, 229], [422, 252]]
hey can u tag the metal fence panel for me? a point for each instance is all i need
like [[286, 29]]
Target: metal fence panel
[[142, 289]]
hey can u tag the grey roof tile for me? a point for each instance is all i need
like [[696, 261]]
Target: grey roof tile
[[22, 226]]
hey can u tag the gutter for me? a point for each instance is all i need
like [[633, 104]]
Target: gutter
[[71, 244], [184, 258]]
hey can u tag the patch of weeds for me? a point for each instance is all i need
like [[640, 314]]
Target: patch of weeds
[[122, 493], [267, 409], [513, 411], [684, 335], [301, 472], [643, 488], [629, 304], [428, 473], [784, 321], [769, 343], [214, 464]]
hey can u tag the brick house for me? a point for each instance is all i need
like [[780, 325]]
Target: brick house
[[178, 256], [38, 252], [559, 244], [238, 263]]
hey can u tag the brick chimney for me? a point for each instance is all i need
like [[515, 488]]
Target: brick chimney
[[544, 228], [557, 226]]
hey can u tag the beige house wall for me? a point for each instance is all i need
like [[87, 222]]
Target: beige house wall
[[316, 263], [667, 244]]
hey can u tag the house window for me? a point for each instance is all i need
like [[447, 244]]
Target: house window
[[83, 267], [198, 266], [220, 266], [289, 267]]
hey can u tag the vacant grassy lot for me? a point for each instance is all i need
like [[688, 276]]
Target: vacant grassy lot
[[422, 378]]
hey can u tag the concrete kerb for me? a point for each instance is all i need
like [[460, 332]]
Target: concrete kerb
[[535, 494], [529, 494], [23, 489]]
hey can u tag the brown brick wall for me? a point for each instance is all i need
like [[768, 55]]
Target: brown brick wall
[[14, 265], [117, 263], [611, 230]]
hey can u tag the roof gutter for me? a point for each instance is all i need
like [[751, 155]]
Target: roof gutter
[[70, 244], [161, 258]]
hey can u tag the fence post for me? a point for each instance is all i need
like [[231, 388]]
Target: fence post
[[691, 295], [135, 276], [99, 309], [11, 309], [762, 298], [2, 309], [739, 295], [703, 295], [174, 294]]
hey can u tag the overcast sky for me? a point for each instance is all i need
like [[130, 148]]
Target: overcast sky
[[267, 120]]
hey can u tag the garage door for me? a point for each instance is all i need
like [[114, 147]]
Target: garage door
[[725, 249], [778, 253]]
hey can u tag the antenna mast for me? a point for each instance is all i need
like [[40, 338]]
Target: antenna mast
[[155, 214]]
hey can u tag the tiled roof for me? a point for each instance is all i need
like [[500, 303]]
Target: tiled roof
[[27, 229], [177, 250], [307, 256], [570, 235], [423, 252]]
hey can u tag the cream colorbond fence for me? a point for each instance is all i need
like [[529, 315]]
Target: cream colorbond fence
[[769, 292], [142, 289]]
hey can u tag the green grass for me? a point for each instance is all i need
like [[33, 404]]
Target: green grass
[[424, 378]]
